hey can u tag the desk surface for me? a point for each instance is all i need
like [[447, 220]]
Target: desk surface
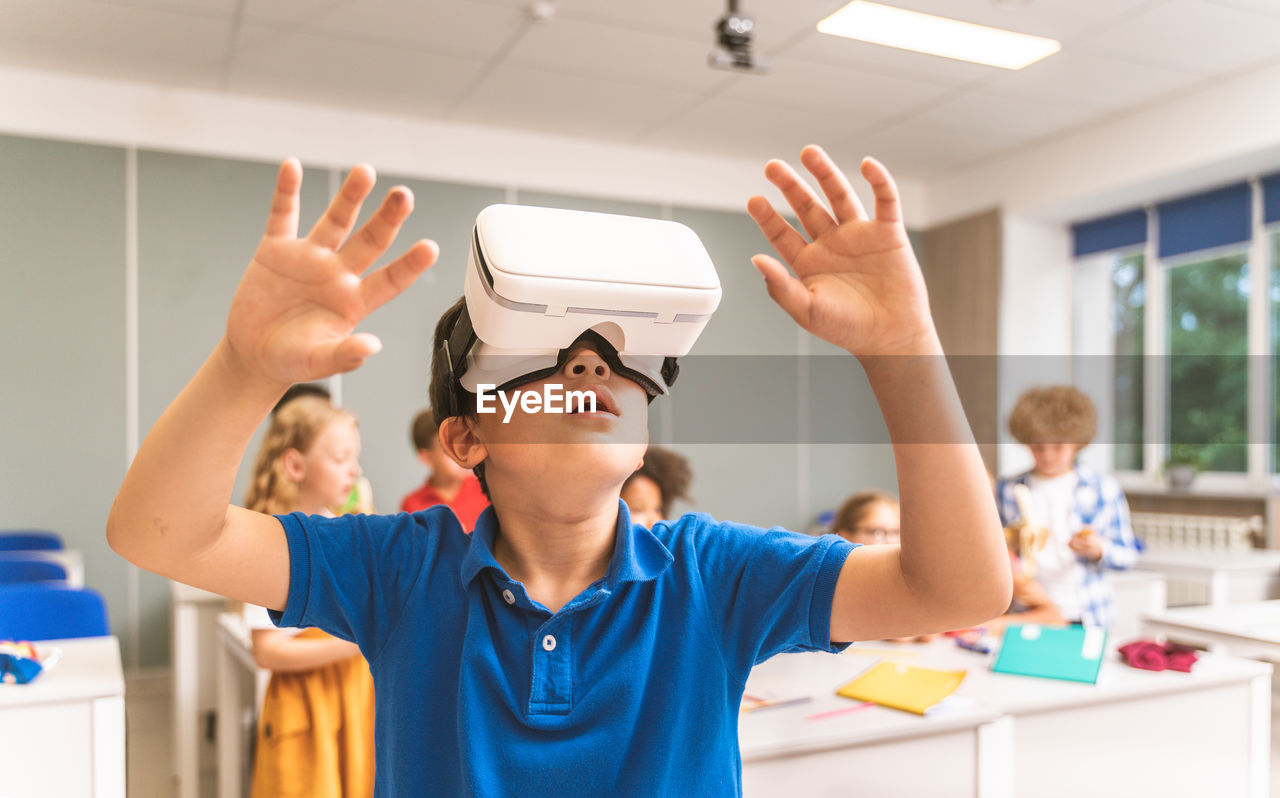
[[89, 668], [787, 729], [1197, 561], [1257, 621]]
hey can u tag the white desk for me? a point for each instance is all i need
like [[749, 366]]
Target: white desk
[[1209, 732], [1232, 576], [64, 733], [873, 751], [1245, 630], [195, 641], [1137, 593], [241, 686]]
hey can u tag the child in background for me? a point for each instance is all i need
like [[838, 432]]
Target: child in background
[[315, 732], [662, 479], [360, 500], [869, 517], [1083, 511], [448, 483]]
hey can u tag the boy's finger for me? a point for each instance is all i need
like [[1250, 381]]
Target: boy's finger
[[386, 283], [885, 189], [813, 214], [332, 228], [844, 203], [784, 238], [345, 355], [282, 220], [371, 240], [790, 294]]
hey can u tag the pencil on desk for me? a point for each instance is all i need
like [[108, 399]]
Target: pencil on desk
[[841, 711], [771, 704]]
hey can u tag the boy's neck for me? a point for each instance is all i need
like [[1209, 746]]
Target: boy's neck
[[555, 556]]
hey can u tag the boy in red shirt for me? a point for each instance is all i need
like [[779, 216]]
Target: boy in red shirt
[[448, 483]]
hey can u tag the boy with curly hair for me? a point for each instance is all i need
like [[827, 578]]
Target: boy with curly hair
[[1083, 511]]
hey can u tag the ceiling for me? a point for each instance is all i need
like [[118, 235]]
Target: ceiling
[[636, 72]]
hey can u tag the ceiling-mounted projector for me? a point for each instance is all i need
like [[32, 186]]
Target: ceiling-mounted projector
[[733, 43]]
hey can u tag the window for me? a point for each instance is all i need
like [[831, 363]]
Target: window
[[1208, 303], [1127, 316], [1186, 317]]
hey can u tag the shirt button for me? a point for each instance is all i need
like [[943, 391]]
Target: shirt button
[[549, 642], [509, 597]]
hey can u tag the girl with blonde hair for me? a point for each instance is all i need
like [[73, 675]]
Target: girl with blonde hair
[[315, 731]]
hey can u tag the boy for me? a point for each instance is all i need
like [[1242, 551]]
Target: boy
[[1084, 511], [559, 649], [448, 484]]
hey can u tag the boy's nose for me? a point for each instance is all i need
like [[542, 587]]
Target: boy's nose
[[586, 363]]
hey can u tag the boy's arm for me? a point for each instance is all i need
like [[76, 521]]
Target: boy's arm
[[291, 321], [1119, 545], [857, 285]]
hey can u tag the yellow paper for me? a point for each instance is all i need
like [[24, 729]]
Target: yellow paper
[[906, 687]]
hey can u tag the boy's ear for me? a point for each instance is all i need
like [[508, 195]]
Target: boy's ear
[[458, 439], [293, 464]]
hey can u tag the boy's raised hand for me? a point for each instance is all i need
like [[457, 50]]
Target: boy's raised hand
[[293, 314], [856, 281]]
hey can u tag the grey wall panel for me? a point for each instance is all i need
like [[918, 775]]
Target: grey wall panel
[[199, 222], [62, 354], [747, 483], [391, 387]]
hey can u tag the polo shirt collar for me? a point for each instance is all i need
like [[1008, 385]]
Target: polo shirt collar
[[638, 556]]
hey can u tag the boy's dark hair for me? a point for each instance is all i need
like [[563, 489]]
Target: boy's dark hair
[[424, 430], [1057, 414], [302, 389], [445, 391], [669, 471]]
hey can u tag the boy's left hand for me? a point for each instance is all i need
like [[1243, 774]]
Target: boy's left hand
[[1087, 545], [856, 283]]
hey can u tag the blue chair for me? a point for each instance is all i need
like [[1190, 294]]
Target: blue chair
[[46, 611], [29, 540], [25, 568]]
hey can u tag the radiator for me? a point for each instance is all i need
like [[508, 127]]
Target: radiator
[[1174, 532]]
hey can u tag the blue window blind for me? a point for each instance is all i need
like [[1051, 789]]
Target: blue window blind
[[1112, 232], [1203, 221], [1271, 198]]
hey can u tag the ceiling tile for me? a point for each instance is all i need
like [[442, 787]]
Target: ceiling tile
[[596, 49], [919, 151], [888, 61], [749, 130], [863, 96], [1091, 80], [451, 27], [1191, 36], [981, 113], [131, 42], [334, 71], [572, 105], [1055, 19]]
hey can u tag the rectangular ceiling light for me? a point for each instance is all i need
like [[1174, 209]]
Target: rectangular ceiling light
[[925, 33]]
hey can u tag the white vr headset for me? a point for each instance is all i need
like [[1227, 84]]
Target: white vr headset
[[540, 279]]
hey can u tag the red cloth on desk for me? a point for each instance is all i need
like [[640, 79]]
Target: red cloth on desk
[[467, 505], [1152, 656]]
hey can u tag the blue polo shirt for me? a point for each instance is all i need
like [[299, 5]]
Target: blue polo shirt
[[632, 688]]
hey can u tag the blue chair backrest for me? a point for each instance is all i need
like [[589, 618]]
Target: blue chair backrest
[[47, 611], [29, 540], [24, 568]]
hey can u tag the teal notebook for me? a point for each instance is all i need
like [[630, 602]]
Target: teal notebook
[[1073, 653]]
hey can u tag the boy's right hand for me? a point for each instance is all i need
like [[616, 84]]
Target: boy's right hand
[[300, 299]]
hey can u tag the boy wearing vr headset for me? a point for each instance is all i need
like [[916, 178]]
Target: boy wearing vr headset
[[559, 648]]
